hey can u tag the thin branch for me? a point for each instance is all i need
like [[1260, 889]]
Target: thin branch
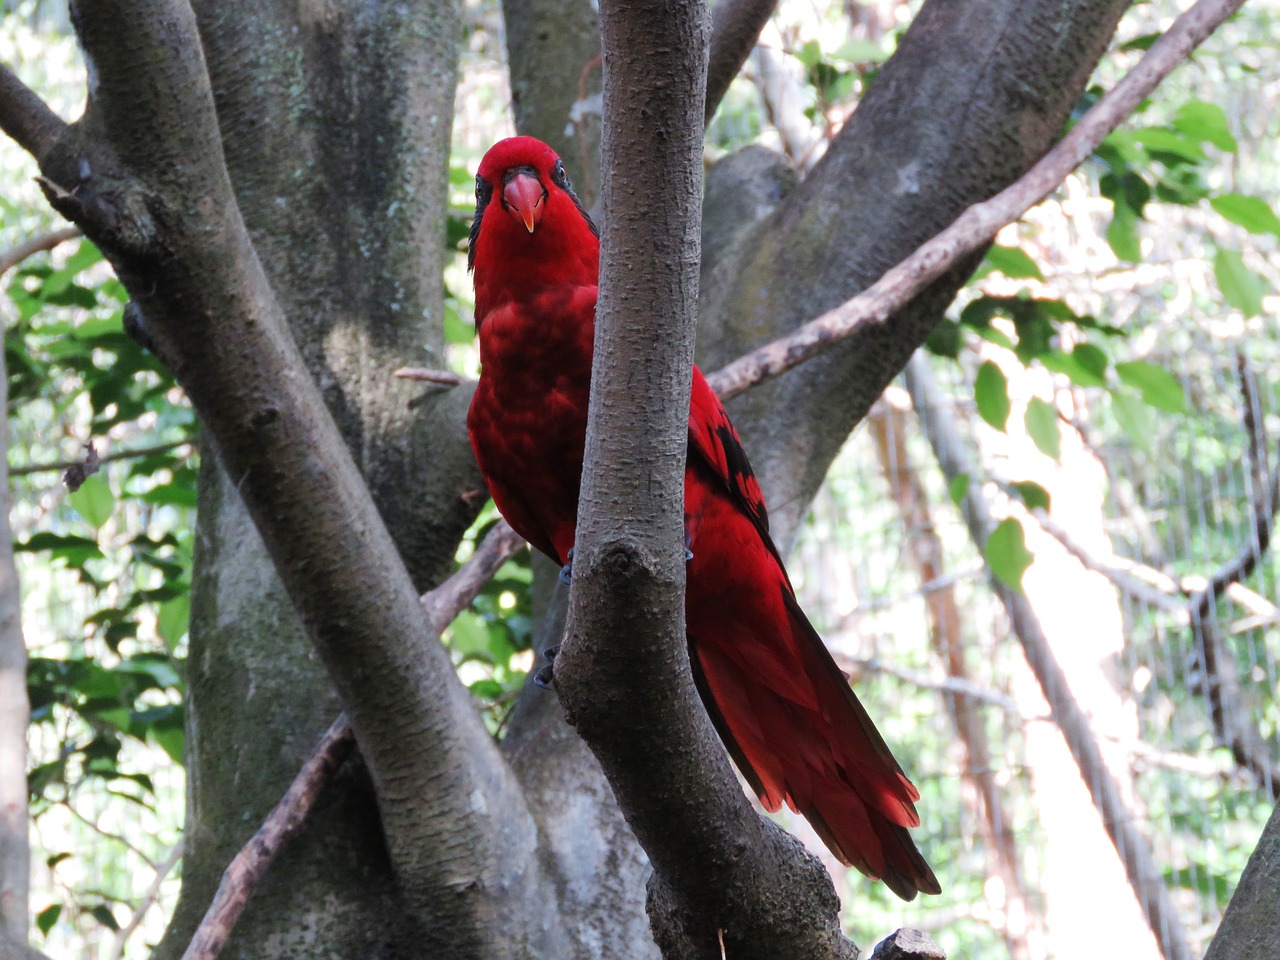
[[108, 835], [130, 454], [453, 596], [427, 375], [247, 869], [1228, 712], [1144, 584], [980, 222], [27, 118], [149, 898], [735, 28], [37, 244]]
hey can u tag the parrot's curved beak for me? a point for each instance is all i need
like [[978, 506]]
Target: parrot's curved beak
[[522, 197]]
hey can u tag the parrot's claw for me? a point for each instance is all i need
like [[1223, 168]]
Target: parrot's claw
[[688, 544], [566, 572], [545, 677]]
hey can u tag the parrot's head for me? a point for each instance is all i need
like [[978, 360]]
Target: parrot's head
[[525, 206]]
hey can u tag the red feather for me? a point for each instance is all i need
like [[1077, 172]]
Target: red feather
[[782, 707]]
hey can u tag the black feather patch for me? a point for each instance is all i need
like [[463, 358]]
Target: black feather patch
[[484, 193]]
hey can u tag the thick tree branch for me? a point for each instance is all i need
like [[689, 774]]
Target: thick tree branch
[[735, 28], [1131, 846], [142, 174], [25, 117], [290, 815], [977, 225], [721, 873], [1250, 928]]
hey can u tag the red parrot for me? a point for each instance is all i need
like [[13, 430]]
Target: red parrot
[[779, 702]]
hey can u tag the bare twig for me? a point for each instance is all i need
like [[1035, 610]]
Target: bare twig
[[454, 595], [246, 870], [38, 244], [978, 224], [427, 375], [735, 28], [1232, 724], [149, 897], [1144, 584], [287, 818], [27, 118], [30, 468]]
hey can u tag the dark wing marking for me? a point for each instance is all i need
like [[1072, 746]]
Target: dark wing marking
[[484, 193], [713, 439]]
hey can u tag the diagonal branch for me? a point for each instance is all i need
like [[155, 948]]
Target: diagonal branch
[[978, 224], [26, 118], [290, 815], [38, 244], [735, 28]]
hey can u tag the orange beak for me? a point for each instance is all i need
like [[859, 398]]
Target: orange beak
[[522, 196]]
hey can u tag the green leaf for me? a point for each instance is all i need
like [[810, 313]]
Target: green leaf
[[171, 620], [1166, 141], [1205, 122], [455, 330], [47, 917], [945, 341], [102, 913], [172, 741], [1094, 359], [1122, 234], [1033, 495], [1134, 418], [94, 501], [1252, 213], [958, 488], [1240, 286], [1158, 386], [861, 51], [73, 549], [991, 393], [487, 689], [1007, 554], [1068, 365], [1041, 420], [1014, 263]]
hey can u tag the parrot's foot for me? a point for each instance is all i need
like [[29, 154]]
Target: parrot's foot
[[545, 677], [566, 572]]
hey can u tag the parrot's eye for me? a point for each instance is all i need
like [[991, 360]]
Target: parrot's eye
[[483, 190], [559, 177]]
